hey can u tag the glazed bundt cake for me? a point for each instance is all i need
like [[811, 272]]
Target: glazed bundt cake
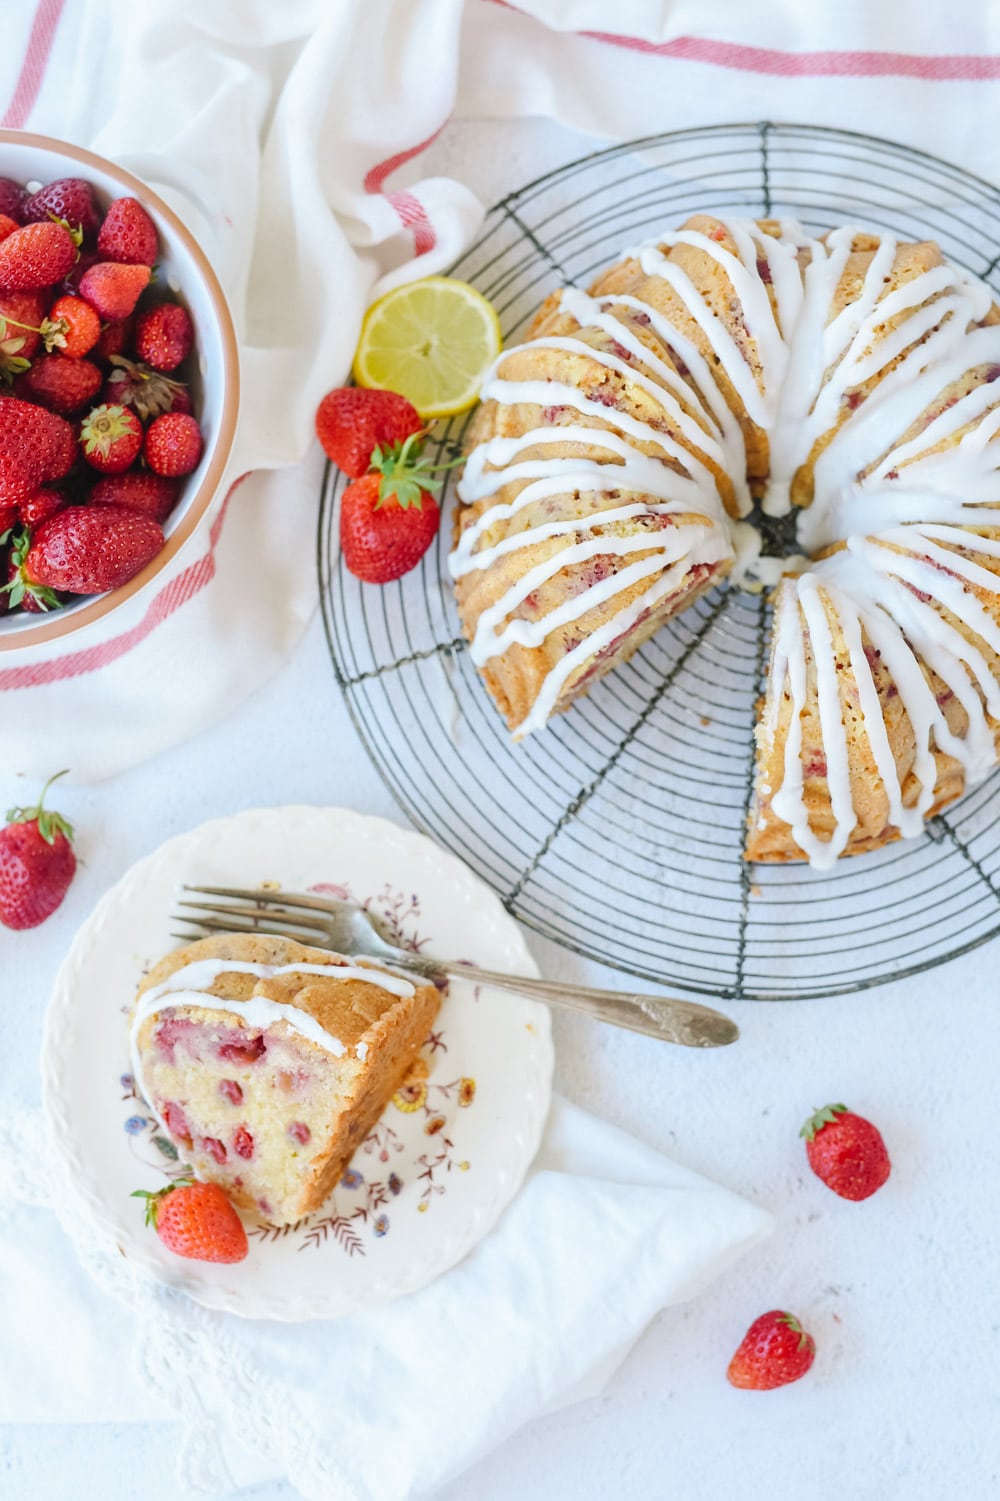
[[268, 1063], [617, 450]]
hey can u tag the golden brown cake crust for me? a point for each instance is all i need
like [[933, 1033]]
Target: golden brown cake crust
[[344, 1008]]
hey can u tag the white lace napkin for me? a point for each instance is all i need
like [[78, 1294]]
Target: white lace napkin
[[389, 1404]]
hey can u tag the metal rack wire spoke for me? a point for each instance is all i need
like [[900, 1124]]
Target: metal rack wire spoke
[[618, 830]]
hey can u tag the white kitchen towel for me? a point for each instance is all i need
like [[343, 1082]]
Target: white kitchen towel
[[390, 1404], [290, 138]]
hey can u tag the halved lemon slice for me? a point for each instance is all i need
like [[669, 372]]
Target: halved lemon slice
[[431, 341]]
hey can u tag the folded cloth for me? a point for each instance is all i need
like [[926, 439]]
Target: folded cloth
[[224, 108], [287, 137], [379, 1406]]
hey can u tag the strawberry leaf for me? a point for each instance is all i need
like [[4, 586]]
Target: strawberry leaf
[[20, 547], [821, 1118], [405, 473], [11, 363], [49, 824], [154, 1200], [806, 1341], [75, 231]]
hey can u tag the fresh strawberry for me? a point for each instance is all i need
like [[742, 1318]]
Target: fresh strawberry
[[72, 327], [36, 447], [846, 1151], [63, 385], [69, 199], [774, 1351], [164, 336], [196, 1220], [36, 863], [38, 507], [133, 384], [128, 234], [110, 438], [90, 549], [388, 518], [9, 517], [141, 490], [38, 255], [111, 289], [7, 226], [115, 338], [23, 313], [13, 197], [352, 422], [173, 444]]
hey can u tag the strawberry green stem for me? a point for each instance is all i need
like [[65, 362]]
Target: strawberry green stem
[[406, 475], [49, 824], [19, 586], [821, 1118], [154, 1199]]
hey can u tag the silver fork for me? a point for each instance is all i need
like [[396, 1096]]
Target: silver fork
[[346, 928]]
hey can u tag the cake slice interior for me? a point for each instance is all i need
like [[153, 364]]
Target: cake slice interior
[[268, 1062]]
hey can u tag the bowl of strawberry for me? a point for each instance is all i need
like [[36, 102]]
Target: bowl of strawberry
[[119, 387]]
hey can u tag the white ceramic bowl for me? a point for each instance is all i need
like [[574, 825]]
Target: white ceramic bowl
[[183, 269]]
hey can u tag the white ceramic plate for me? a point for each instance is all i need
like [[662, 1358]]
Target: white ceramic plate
[[449, 1152]]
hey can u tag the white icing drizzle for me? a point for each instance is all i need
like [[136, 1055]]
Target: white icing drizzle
[[187, 986], [898, 508]]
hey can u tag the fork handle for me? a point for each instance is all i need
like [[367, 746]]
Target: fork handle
[[671, 1020]]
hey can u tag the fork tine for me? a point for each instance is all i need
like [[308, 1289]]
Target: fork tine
[[219, 909], [266, 898], [211, 925]]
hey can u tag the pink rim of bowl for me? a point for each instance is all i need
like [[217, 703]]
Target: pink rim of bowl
[[109, 178]]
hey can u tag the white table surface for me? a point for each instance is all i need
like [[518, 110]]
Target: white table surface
[[902, 1293]]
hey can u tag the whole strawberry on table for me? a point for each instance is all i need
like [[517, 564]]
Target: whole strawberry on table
[[37, 863], [846, 1151], [97, 428], [388, 513], [775, 1351]]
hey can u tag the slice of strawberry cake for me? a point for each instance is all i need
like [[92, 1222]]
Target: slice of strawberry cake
[[267, 1062]]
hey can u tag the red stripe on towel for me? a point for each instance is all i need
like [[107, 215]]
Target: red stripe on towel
[[769, 60], [36, 57], [412, 214], [776, 63]]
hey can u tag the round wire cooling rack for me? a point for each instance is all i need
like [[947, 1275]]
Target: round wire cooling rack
[[618, 830]]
